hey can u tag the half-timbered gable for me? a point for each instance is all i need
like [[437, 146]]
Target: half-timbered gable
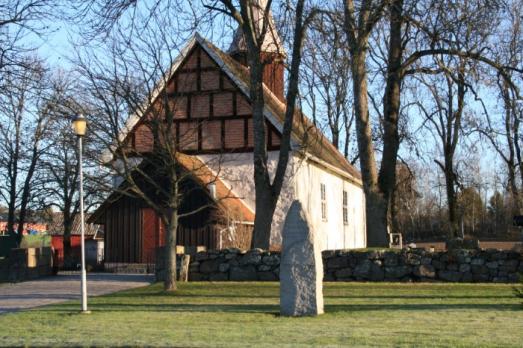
[[210, 113]]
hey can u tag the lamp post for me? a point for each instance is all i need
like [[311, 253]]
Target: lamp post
[[79, 128]]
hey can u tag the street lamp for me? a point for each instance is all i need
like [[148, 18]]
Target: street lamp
[[79, 128]]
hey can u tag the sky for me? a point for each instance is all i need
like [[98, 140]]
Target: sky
[[57, 49]]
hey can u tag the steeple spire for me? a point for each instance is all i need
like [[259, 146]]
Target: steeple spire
[[272, 50], [271, 43]]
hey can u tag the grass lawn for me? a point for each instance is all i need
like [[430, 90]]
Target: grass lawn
[[246, 314], [35, 241]]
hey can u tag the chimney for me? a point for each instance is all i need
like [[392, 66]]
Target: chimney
[[272, 51]]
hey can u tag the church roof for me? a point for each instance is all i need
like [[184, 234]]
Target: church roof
[[305, 135]]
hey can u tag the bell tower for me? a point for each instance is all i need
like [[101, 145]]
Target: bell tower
[[272, 51]]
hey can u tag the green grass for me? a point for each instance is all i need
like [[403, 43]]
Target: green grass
[[35, 241], [246, 314]]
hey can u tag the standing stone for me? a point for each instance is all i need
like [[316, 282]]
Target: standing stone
[[301, 267]]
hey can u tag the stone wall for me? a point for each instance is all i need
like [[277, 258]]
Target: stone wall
[[26, 264], [346, 265]]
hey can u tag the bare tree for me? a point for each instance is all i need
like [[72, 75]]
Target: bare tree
[[253, 16], [59, 163], [505, 136], [445, 121], [417, 31], [19, 19], [25, 121], [326, 81], [131, 101]]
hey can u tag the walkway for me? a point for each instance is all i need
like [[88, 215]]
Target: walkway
[[62, 288]]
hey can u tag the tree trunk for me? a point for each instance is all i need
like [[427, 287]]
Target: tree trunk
[[67, 225], [376, 207], [265, 207], [451, 197], [391, 110], [170, 252], [26, 191], [377, 220]]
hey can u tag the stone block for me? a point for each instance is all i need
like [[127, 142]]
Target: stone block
[[438, 264], [337, 262], [397, 272], [252, 257], [327, 254], [343, 273], [267, 276], [329, 277], [368, 270], [413, 259], [480, 277], [201, 256], [271, 260], [245, 273], [210, 266], [464, 268], [450, 276], [425, 271], [509, 266], [452, 267], [479, 269], [492, 265], [426, 261], [230, 256], [218, 277], [390, 259], [264, 268], [467, 277], [224, 267], [301, 267], [477, 261], [197, 277], [513, 277]]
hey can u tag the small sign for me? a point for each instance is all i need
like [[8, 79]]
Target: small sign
[[395, 240]]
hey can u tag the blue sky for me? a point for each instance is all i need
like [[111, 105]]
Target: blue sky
[[57, 48]]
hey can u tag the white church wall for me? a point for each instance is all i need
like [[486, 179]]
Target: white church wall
[[335, 233], [303, 180], [236, 171]]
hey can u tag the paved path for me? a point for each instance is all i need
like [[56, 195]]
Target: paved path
[[62, 288]]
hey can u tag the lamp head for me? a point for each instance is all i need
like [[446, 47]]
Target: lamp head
[[79, 125]]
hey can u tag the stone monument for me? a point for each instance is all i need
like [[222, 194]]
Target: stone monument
[[301, 267]]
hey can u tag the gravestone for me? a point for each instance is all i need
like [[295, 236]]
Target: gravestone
[[301, 267]]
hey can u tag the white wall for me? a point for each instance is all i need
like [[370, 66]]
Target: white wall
[[303, 182], [335, 234], [236, 171]]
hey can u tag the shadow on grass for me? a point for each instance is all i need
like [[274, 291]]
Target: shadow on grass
[[274, 309], [428, 297]]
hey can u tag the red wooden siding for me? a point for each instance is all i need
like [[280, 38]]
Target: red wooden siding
[[150, 235], [57, 242], [123, 231]]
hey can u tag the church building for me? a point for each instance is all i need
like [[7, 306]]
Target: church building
[[213, 117]]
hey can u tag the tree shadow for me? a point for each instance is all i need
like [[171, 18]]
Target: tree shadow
[[273, 309]]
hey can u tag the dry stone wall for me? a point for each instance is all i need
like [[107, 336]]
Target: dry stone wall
[[353, 265]]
